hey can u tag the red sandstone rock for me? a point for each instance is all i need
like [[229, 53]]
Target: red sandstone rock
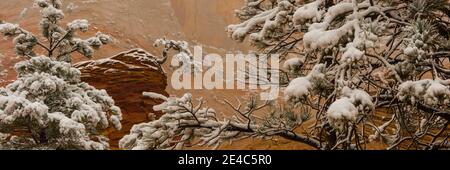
[[125, 77]]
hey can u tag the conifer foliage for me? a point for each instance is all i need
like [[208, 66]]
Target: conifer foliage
[[48, 106], [358, 71]]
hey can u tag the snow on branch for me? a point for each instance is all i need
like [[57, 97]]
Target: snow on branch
[[185, 124], [53, 109], [48, 106], [62, 41], [183, 57], [300, 88], [356, 61]]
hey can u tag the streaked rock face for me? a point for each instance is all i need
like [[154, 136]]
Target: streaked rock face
[[125, 77]]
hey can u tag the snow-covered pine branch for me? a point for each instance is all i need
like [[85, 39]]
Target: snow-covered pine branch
[[181, 119], [182, 59], [48, 107], [373, 55], [62, 40], [185, 124], [346, 60]]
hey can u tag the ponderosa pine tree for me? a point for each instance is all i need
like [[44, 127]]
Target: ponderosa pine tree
[[359, 70], [48, 106]]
